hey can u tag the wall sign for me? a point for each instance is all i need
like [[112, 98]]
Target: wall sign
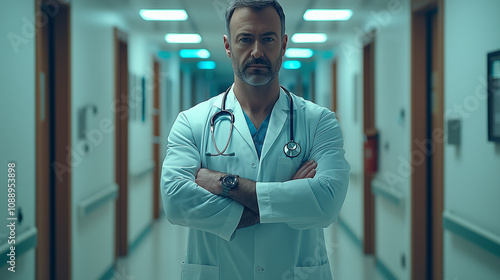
[[494, 96]]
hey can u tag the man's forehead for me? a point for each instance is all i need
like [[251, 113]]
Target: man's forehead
[[266, 18]]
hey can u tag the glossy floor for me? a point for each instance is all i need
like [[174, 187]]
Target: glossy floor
[[159, 255]]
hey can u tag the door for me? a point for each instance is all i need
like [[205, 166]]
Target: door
[[121, 142], [427, 139], [369, 131], [53, 136], [156, 140], [334, 87]]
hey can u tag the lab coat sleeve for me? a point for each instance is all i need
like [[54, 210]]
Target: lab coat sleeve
[[185, 202], [315, 202]]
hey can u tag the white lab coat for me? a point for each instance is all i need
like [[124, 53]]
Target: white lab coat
[[288, 243]]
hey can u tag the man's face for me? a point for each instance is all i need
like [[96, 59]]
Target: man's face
[[257, 48]]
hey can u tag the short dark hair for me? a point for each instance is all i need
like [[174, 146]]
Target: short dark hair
[[256, 5]]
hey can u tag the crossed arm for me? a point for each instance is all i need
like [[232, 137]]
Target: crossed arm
[[245, 193], [314, 201]]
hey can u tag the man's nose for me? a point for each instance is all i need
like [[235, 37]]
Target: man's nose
[[257, 50]]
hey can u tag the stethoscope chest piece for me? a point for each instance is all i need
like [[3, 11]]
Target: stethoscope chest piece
[[292, 149]]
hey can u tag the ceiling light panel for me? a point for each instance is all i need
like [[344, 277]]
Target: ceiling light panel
[[309, 38], [194, 53], [299, 53], [166, 15], [175, 38], [206, 65], [327, 14], [292, 64]]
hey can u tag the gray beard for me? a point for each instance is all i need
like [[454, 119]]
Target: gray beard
[[257, 79]]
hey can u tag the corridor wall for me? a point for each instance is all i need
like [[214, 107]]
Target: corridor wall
[[390, 21], [17, 127], [93, 83], [349, 108], [393, 122], [471, 177], [140, 135]]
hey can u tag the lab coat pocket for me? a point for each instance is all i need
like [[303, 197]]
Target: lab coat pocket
[[319, 272], [199, 272], [286, 168]]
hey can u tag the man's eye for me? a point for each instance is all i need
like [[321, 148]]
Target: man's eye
[[245, 40], [269, 39]]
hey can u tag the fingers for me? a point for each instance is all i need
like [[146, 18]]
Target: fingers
[[311, 174], [308, 170], [304, 170]]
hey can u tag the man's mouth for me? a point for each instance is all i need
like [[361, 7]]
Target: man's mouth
[[257, 66]]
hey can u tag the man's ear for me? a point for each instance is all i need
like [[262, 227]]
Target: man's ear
[[227, 46], [285, 42]]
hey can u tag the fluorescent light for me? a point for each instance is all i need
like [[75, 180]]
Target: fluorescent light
[[170, 15], [309, 38], [183, 38], [299, 53], [194, 53], [206, 65], [327, 14], [292, 64]]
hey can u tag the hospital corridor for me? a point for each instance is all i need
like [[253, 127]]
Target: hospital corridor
[[92, 89]]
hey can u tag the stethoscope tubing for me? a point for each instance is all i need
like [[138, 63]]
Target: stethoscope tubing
[[289, 152]]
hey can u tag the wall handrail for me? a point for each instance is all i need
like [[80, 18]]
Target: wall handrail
[[389, 193], [90, 204], [25, 241], [144, 169], [479, 236]]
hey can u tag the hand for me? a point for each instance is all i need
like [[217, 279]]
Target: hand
[[307, 170], [209, 180]]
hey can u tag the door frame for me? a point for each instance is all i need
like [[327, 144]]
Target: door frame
[[121, 141], [368, 129], [53, 135], [156, 139], [334, 86], [426, 224]]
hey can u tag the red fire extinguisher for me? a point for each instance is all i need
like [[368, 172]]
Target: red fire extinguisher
[[370, 152]]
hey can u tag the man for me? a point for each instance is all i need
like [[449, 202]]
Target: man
[[253, 211]]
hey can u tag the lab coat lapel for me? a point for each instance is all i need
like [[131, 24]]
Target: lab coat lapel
[[276, 123], [240, 123]]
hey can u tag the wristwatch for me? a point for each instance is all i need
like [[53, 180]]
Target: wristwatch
[[229, 181]]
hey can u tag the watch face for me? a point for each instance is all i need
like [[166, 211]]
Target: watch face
[[229, 180]]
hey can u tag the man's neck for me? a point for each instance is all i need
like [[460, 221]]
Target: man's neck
[[257, 101]]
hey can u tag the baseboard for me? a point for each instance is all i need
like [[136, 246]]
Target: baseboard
[[132, 246], [384, 270], [351, 234], [108, 275]]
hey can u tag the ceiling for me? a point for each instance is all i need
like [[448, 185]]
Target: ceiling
[[206, 17]]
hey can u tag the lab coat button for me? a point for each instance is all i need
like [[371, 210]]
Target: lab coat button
[[259, 269], [253, 165]]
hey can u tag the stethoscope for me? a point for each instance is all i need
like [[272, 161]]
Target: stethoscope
[[291, 149]]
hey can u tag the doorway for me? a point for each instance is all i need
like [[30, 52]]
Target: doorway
[[369, 132], [53, 136], [427, 154], [156, 139], [334, 87], [121, 142]]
